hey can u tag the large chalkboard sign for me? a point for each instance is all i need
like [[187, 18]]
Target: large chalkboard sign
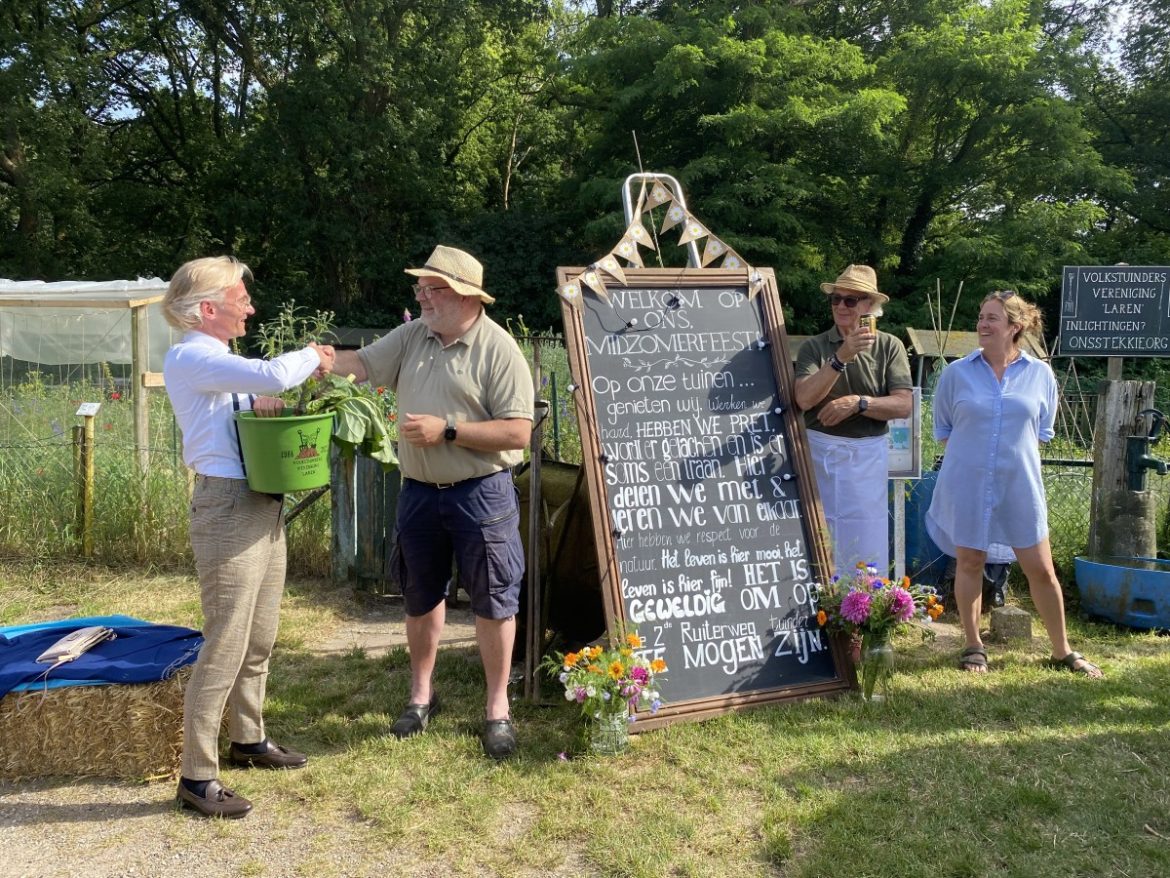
[[1115, 311], [710, 534]]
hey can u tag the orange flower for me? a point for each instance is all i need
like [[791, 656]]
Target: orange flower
[[935, 611], [658, 666], [595, 651], [593, 669], [634, 640], [822, 617], [571, 660]]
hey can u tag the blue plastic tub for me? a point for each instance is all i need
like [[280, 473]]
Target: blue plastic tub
[[1129, 591]]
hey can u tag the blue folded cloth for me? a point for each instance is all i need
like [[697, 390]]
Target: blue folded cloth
[[142, 652]]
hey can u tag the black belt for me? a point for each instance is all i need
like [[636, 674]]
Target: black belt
[[443, 486]]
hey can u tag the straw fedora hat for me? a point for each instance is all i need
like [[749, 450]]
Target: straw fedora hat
[[461, 270], [858, 279]]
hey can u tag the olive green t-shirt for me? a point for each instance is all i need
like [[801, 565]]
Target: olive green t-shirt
[[876, 372], [482, 376]]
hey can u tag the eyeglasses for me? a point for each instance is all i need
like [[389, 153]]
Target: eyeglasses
[[426, 290], [243, 303], [1001, 294], [847, 301]]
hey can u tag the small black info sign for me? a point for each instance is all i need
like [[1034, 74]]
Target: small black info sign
[[710, 533], [1115, 311]]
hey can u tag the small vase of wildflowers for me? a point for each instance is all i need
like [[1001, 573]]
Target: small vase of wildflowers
[[610, 684], [869, 609]]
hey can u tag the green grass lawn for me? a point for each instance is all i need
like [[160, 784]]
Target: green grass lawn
[[1024, 772]]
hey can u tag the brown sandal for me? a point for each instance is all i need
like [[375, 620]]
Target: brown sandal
[[1078, 664], [973, 659]]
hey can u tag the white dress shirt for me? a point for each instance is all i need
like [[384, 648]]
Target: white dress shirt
[[202, 375]]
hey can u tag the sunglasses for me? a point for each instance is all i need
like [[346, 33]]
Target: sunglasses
[[1001, 294], [847, 301]]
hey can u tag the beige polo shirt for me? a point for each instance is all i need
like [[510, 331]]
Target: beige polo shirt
[[482, 376]]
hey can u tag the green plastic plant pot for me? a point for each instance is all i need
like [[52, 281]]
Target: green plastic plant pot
[[286, 453]]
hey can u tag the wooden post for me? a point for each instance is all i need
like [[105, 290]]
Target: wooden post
[[899, 530], [1121, 521], [138, 363], [341, 489], [85, 487]]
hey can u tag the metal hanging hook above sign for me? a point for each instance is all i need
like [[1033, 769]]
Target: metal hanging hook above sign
[[632, 206]]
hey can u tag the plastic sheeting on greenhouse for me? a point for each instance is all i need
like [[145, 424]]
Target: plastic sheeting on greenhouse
[[81, 322]]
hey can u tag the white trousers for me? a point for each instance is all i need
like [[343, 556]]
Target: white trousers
[[852, 477]]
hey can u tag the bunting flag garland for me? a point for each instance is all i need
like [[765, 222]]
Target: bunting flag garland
[[755, 282], [674, 216], [636, 236], [627, 249], [594, 281], [637, 232], [611, 267], [713, 250], [571, 293], [659, 195], [692, 232]]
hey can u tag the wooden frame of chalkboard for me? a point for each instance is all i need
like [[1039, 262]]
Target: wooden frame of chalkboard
[[710, 534]]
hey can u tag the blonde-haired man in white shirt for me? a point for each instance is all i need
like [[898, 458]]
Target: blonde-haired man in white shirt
[[237, 535]]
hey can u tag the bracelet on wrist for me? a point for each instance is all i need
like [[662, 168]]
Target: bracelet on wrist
[[836, 363]]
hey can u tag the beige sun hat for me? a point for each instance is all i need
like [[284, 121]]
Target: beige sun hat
[[461, 270], [858, 279]]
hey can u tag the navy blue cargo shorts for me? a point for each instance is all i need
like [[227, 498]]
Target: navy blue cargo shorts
[[475, 522]]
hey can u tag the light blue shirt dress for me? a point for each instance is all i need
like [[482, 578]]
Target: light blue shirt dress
[[990, 494]]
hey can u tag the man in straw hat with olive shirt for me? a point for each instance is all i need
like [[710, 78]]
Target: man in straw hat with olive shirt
[[465, 408], [850, 381]]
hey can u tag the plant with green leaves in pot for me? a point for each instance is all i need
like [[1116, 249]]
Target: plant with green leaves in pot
[[364, 418]]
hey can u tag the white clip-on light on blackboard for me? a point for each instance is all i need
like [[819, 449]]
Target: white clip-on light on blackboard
[[573, 388], [617, 534], [673, 303], [761, 343], [779, 410], [788, 477], [630, 324]]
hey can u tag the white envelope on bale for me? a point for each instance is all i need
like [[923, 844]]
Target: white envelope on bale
[[75, 644]]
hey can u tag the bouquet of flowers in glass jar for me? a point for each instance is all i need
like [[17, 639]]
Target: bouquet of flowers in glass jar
[[608, 684], [870, 609]]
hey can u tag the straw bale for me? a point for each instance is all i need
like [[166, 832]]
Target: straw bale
[[119, 731]]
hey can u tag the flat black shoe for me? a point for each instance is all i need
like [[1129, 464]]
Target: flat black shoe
[[273, 756], [415, 718], [499, 738]]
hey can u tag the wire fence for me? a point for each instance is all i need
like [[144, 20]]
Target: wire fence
[[142, 517]]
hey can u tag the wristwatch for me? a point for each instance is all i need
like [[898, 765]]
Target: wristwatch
[[862, 404], [450, 433]]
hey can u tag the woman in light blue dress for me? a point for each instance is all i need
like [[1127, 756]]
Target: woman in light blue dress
[[992, 409]]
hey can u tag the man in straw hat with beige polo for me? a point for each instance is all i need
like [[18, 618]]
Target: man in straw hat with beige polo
[[465, 408], [850, 381]]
